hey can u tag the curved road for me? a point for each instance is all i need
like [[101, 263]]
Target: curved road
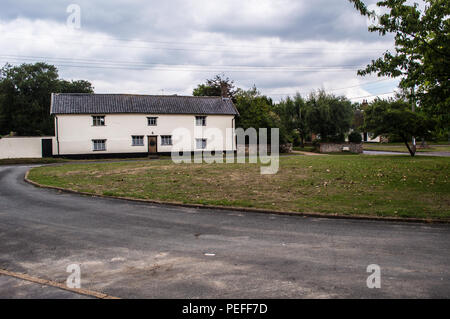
[[128, 249]]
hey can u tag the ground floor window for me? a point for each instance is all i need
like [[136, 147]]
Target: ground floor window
[[99, 145], [201, 143], [137, 140], [166, 140]]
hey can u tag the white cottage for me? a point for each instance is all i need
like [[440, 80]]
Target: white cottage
[[130, 125]]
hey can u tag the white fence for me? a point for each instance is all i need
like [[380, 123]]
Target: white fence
[[22, 147]]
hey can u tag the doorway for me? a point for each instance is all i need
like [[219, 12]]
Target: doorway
[[152, 144], [47, 147]]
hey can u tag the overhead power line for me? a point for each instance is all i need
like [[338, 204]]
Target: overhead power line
[[132, 65], [336, 89], [129, 65], [279, 49], [367, 96]]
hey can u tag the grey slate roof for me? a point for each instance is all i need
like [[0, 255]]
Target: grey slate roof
[[81, 103]]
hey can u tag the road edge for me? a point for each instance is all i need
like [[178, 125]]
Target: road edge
[[245, 209], [51, 283]]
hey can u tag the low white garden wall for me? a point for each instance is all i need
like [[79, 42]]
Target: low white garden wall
[[22, 147]]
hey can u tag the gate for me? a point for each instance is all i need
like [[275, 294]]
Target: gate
[[47, 147]]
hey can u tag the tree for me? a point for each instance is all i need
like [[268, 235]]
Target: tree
[[78, 86], [358, 116], [25, 92], [254, 109], [217, 86], [257, 111], [329, 116], [422, 52], [292, 113], [383, 117]]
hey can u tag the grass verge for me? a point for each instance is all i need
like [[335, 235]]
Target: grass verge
[[397, 147], [389, 186], [25, 161]]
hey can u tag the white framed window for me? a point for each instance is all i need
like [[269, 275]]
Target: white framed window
[[99, 145], [200, 120], [152, 121], [166, 139], [137, 140], [98, 120], [200, 143]]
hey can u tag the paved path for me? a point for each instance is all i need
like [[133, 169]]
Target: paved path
[[128, 249], [308, 153]]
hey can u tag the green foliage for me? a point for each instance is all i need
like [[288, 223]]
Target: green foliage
[[25, 92], [292, 113], [206, 90], [257, 111], [422, 52], [296, 117], [78, 86], [329, 116], [254, 109], [384, 117], [355, 137], [217, 86]]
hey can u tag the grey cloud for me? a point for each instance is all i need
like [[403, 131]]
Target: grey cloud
[[176, 19], [178, 22]]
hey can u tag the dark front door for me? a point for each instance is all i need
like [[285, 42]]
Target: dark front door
[[152, 144], [47, 147]]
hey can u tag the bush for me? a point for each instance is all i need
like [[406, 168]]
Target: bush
[[355, 137], [316, 143], [337, 138]]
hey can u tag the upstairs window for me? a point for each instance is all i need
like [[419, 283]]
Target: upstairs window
[[201, 143], [200, 120], [152, 121], [166, 140], [98, 121], [99, 145], [137, 140]]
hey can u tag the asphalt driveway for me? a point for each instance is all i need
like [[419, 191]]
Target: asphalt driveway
[[128, 249]]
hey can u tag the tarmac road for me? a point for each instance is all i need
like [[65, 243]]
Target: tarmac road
[[131, 250]]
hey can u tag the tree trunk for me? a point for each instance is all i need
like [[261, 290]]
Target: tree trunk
[[412, 150]]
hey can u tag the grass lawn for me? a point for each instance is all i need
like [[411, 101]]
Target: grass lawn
[[348, 185], [399, 147]]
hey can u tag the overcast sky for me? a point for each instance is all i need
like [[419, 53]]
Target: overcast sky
[[169, 47]]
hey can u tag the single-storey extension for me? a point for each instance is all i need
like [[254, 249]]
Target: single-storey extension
[[124, 124]]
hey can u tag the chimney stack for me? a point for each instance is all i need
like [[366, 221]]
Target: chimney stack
[[224, 90]]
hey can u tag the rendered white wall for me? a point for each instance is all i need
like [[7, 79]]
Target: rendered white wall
[[21, 147], [371, 140], [76, 132]]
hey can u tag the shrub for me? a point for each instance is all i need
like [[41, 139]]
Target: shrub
[[355, 137], [337, 138], [316, 143]]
